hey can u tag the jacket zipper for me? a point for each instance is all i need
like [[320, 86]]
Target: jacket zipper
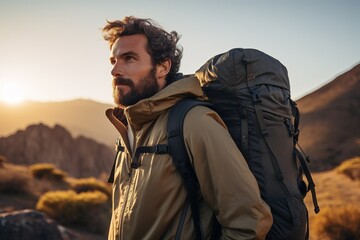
[[130, 181], [126, 200]]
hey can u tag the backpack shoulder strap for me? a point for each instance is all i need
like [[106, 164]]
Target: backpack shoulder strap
[[118, 149], [175, 132], [180, 157]]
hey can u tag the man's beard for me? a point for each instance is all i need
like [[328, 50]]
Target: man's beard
[[146, 88]]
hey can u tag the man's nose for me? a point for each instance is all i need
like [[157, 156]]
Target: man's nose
[[117, 70]]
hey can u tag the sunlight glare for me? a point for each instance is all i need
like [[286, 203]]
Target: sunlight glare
[[11, 93]]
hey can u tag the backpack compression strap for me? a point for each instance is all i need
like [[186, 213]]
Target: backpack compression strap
[[180, 157], [302, 156]]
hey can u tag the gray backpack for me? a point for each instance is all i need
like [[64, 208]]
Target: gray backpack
[[250, 90]]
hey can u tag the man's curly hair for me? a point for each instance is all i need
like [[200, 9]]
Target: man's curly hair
[[161, 44]]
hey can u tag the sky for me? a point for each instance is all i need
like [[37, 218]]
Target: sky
[[53, 50]]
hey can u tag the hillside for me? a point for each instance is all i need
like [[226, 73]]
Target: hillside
[[330, 117], [80, 117], [335, 191], [79, 156]]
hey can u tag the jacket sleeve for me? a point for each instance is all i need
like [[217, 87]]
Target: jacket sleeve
[[226, 182]]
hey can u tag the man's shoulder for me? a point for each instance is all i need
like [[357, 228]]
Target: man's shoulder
[[201, 115]]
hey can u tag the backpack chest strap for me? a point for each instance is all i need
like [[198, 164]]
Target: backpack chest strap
[[157, 149]]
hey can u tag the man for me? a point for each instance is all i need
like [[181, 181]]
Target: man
[[149, 198]]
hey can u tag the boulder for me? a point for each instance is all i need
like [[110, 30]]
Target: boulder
[[30, 225]]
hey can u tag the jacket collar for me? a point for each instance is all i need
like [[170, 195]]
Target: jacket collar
[[149, 109]]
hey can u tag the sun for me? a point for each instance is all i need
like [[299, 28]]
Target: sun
[[11, 93]]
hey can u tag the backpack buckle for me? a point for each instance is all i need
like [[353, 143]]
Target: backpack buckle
[[255, 97], [119, 148], [296, 136], [161, 149]]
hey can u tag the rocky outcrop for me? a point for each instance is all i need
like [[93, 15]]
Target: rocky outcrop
[[30, 225], [80, 117], [79, 157]]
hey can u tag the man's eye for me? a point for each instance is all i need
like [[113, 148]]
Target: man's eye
[[129, 58], [112, 62]]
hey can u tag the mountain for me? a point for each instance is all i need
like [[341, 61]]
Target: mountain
[[80, 156], [80, 117], [330, 120]]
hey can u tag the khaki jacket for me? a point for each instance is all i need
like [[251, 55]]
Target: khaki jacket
[[148, 201]]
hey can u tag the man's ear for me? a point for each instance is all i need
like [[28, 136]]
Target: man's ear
[[163, 68]]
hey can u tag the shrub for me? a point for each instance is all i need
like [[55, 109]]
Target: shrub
[[12, 181], [3, 159], [90, 184], [90, 210], [47, 171], [351, 168], [341, 223]]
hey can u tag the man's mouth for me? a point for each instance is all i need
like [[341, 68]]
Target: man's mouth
[[122, 82], [122, 87]]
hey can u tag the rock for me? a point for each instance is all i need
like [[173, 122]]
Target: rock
[[30, 225]]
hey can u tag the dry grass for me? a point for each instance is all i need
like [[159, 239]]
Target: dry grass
[[342, 223], [14, 180], [47, 171], [3, 159], [350, 168], [90, 184], [336, 192], [338, 196], [89, 210], [19, 189]]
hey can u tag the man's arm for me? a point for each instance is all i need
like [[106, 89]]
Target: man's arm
[[225, 179]]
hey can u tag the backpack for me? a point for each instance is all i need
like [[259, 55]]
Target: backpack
[[250, 91]]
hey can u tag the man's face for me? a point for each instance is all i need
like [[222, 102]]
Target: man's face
[[134, 76]]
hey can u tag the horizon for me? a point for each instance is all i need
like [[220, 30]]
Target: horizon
[[53, 51]]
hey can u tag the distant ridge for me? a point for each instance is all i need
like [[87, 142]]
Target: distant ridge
[[80, 117], [330, 121]]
